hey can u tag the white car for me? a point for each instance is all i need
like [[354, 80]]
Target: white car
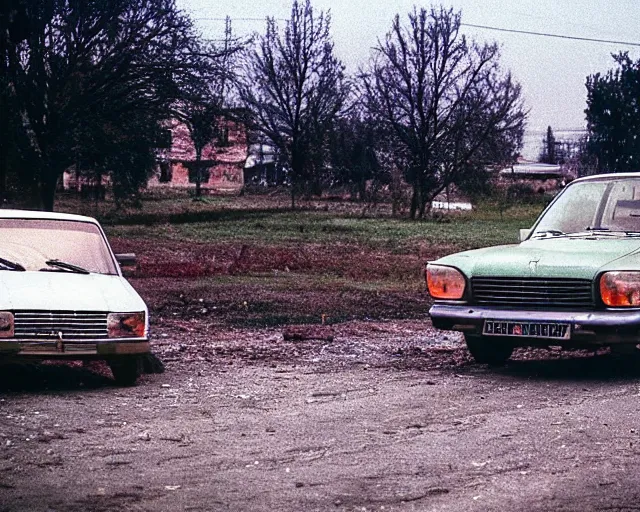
[[62, 294]]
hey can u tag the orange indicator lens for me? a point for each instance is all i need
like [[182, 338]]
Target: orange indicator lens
[[445, 283], [620, 289]]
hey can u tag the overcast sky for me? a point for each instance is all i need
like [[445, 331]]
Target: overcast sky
[[552, 71]]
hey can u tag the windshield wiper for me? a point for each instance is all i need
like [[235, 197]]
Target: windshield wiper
[[11, 265], [67, 266], [588, 233], [616, 232], [549, 232], [632, 234]]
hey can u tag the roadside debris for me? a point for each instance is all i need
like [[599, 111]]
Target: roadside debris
[[301, 333]]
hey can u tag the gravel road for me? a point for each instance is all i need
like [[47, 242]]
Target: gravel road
[[386, 416]]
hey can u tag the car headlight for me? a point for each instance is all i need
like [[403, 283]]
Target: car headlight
[[126, 325], [445, 282], [6, 324], [620, 288]]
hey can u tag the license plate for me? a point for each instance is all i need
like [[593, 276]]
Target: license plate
[[553, 331]]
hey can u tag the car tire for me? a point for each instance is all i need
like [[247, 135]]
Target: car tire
[[125, 370], [488, 351]]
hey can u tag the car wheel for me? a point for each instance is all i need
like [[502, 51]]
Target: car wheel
[[126, 370], [488, 351]]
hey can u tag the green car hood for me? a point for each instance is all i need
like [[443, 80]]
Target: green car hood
[[551, 257]]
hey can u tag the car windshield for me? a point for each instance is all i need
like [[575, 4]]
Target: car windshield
[[611, 205], [31, 243]]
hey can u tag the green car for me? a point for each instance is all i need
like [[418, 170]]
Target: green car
[[573, 281]]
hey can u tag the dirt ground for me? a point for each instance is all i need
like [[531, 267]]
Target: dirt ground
[[369, 416]]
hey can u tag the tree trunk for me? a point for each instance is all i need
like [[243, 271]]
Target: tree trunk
[[423, 207], [424, 198], [198, 172], [295, 178], [415, 200], [198, 180], [3, 176], [362, 190], [48, 191]]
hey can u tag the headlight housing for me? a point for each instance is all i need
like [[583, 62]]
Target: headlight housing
[[126, 325], [620, 288], [446, 283], [6, 324]]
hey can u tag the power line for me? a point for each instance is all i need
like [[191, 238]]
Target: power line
[[559, 36], [486, 27], [239, 19], [576, 130]]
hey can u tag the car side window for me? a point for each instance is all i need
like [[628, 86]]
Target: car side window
[[622, 212]]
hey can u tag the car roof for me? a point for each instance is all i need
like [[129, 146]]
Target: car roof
[[616, 175], [33, 214]]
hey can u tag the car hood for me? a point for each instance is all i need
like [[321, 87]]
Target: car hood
[[551, 257], [66, 291]]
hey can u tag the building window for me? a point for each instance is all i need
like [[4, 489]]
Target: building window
[[166, 173]]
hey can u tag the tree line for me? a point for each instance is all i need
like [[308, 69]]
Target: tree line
[[91, 85], [430, 104]]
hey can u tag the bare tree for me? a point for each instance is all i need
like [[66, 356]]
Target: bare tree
[[444, 100], [202, 121], [294, 87], [353, 147], [204, 93]]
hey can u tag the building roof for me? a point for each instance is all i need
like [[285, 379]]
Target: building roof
[[533, 169]]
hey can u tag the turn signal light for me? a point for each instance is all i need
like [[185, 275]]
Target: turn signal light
[[126, 325], [445, 283], [620, 289], [6, 324]]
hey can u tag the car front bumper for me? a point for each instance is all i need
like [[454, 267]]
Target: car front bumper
[[591, 327], [73, 349]]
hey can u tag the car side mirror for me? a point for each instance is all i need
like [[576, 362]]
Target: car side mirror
[[126, 260], [524, 234], [128, 264]]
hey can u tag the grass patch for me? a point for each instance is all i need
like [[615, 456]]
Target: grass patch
[[252, 262], [168, 215], [278, 228]]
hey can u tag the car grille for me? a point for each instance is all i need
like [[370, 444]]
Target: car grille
[[74, 325], [532, 293]]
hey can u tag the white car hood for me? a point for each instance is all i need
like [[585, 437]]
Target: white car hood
[[67, 291]]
